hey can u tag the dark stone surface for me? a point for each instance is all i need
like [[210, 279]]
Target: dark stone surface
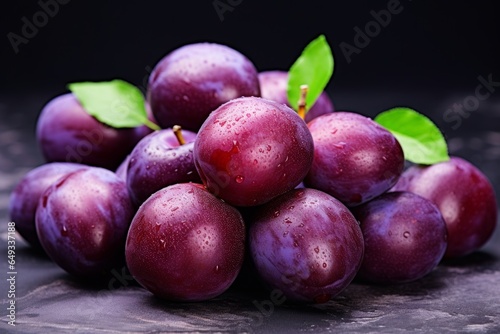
[[459, 296]]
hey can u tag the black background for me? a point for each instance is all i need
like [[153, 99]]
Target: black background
[[429, 46]]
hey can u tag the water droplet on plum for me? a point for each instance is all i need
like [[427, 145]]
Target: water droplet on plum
[[340, 145]]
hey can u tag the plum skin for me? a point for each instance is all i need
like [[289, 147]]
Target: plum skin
[[27, 192], [273, 86], [193, 80], [250, 150], [355, 159], [465, 197], [82, 222], [157, 161], [307, 244], [121, 170], [66, 132], [184, 244], [405, 238]]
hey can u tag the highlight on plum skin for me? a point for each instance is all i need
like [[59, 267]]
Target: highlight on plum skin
[[306, 244], [405, 238], [66, 132], [250, 150], [159, 160], [27, 192], [82, 222], [355, 159], [273, 86], [185, 244], [465, 197], [191, 81]]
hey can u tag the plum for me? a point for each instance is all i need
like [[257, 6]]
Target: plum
[[250, 150], [465, 197], [405, 238], [355, 159], [160, 160], [273, 86], [27, 192], [82, 222], [194, 79], [121, 171], [185, 244], [66, 132], [307, 244]]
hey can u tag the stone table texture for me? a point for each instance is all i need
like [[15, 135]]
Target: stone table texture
[[458, 296]]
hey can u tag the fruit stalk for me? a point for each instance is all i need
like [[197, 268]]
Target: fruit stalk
[[302, 107], [178, 134]]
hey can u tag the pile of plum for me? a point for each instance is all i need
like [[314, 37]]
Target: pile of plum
[[234, 182]]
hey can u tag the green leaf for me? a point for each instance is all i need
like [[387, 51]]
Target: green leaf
[[313, 68], [420, 138], [116, 103]]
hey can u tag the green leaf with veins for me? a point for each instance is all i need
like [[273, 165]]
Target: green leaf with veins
[[116, 103], [313, 68], [420, 138]]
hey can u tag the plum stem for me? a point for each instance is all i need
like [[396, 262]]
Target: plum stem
[[301, 110], [178, 134]]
